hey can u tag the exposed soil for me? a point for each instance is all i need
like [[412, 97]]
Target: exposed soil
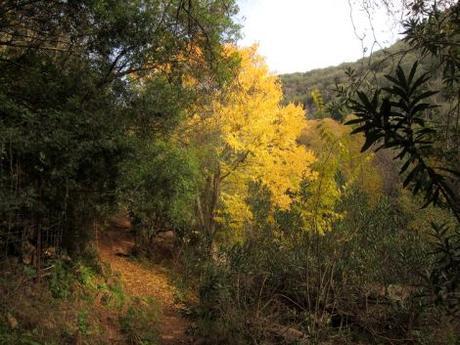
[[141, 281]]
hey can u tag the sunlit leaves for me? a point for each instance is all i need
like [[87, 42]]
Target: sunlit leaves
[[340, 166], [252, 137]]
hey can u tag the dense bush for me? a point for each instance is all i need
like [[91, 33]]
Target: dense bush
[[158, 186], [79, 80], [364, 280]]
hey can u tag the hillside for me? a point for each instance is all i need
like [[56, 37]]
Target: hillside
[[297, 87]]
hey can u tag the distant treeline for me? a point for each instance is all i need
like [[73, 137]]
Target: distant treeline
[[300, 87]]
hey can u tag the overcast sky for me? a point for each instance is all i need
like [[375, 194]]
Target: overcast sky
[[300, 35]]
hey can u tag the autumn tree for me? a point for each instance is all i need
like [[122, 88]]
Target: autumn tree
[[340, 166], [245, 135]]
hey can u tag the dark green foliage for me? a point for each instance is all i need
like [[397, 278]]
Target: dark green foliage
[[60, 144], [159, 186], [399, 119], [434, 29], [445, 276], [61, 280], [118, 37], [402, 117], [70, 103], [364, 274]]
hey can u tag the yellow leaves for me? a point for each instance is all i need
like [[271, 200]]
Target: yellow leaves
[[284, 172], [318, 101], [339, 167], [256, 126], [329, 138], [254, 136]]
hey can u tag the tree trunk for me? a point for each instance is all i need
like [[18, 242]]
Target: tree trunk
[[207, 207]]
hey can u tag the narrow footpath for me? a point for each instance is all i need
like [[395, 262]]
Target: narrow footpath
[[141, 281]]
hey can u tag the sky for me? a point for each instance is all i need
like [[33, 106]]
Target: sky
[[301, 35]]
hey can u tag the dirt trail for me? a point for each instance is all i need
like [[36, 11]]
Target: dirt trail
[[140, 281]]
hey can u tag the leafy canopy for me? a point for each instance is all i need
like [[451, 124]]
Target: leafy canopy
[[251, 137]]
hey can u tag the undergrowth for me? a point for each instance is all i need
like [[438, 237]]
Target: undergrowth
[[136, 323], [75, 302]]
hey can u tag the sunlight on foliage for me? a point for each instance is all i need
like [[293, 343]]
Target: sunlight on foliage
[[252, 138]]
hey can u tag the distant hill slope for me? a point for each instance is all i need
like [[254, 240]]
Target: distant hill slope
[[297, 87]]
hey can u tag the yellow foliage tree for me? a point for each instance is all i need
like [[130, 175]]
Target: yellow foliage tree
[[340, 166], [245, 135]]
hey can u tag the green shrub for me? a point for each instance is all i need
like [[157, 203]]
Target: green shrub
[[364, 274], [61, 280], [138, 324], [159, 185]]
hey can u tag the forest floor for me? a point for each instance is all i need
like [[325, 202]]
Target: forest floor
[[145, 281]]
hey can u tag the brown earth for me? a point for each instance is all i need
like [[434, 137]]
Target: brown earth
[[141, 281]]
